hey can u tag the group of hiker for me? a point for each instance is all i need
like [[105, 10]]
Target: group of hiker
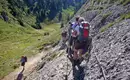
[[78, 39]]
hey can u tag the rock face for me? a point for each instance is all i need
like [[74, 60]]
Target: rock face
[[110, 53], [53, 70], [113, 51]]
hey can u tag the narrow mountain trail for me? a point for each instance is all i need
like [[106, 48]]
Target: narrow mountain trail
[[29, 67], [60, 68], [53, 70]]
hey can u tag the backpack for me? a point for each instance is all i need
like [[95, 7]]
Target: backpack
[[83, 31], [25, 59]]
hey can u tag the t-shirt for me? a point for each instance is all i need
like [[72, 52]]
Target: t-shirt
[[22, 60], [75, 30]]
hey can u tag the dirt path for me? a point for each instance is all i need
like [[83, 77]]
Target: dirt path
[[29, 67]]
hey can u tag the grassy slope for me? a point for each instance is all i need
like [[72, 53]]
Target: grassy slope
[[16, 41]]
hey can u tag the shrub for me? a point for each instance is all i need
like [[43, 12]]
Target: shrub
[[106, 27]]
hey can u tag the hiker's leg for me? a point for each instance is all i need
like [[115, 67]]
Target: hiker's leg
[[23, 64], [76, 48], [80, 52], [70, 41], [75, 55]]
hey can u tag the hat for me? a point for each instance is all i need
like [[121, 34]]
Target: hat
[[77, 18], [81, 19]]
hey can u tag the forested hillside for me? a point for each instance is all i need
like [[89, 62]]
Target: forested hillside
[[34, 12]]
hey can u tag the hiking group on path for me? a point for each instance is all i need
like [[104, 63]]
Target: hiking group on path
[[78, 41]]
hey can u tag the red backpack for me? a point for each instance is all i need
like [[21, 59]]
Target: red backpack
[[84, 31]]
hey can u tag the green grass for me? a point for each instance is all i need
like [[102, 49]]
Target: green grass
[[125, 16], [104, 28], [51, 57], [106, 15], [16, 41], [124, 2], [122, 17]]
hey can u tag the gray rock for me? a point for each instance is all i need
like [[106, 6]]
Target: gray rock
[[53, 70], [90, 15], [106, 16], [113, 51]]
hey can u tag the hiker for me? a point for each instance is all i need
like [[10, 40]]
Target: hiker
[[73, 33], [23, 61], [81, 44], [70, 28], [64, 39], [64, 36]]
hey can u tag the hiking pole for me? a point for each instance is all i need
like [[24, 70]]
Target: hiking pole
[[66, 76], [69, 54], [103, 73]]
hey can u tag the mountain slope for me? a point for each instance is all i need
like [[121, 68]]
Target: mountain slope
[[110, 32], [109, 60]]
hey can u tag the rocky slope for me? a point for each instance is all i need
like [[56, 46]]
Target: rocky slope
[[112, 50], [110, 54], [55, 69], [110, 31]]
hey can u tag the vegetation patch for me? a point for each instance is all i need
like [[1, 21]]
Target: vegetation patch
[[122, 17], [106, 15], [125, 16], [124, 2], [16, 41], [52, 56], [104, 28]]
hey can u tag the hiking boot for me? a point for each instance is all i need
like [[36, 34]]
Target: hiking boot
[[83, 63]]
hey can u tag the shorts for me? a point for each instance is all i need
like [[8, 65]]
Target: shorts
[[23, 63], [72, 40], [80, 45]]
